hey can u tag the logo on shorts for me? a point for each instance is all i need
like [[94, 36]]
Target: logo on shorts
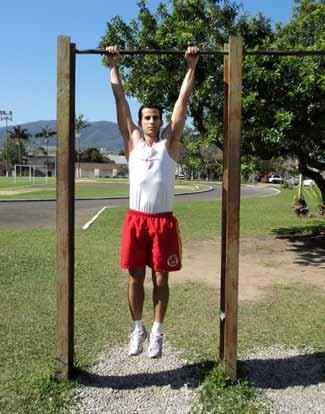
[[172, 260]]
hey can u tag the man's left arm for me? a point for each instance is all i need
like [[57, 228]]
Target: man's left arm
[[174, 130]]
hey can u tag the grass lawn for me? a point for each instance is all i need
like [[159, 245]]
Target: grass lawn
[[27, 303], [10, 182], [85, 188]]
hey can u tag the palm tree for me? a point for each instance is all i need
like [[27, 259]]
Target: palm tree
[[46, 133], [80, 123], [19, 136]]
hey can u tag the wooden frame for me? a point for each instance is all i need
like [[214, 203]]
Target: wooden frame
[[65, 206], [230, 207]]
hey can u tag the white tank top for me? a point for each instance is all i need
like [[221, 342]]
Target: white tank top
[[152, 178]]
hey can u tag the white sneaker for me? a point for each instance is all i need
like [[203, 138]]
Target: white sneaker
[[137, 339], [155, 345]]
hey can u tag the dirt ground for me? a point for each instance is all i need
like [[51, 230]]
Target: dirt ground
[[263, 263]]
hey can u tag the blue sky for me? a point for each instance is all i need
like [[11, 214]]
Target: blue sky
[[28, 32]]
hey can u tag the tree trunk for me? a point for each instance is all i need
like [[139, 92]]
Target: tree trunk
[[316, 176], [19, 155]]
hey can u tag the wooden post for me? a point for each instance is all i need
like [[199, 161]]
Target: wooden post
[[231, 207], [65, 207], [224, 204]]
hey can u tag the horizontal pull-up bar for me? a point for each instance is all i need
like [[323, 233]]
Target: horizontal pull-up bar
[[205, 52], [148, 52]]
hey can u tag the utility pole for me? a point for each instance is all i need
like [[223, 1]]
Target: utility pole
[[6, 116]]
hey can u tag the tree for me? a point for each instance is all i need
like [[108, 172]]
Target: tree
[[80, 123], [190, 157], [13, 151], [19, 136], [205, 23], [46, 133], [284, 103], [283, 98], [306, 30], [211, 159], [93, 155]]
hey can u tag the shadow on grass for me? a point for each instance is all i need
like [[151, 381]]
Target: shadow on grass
[[191, 375], [299, 370], [308, 242]]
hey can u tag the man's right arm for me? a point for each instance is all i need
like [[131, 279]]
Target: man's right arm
[[129, 130]]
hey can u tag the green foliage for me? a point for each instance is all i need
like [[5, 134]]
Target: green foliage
[[199, 157], [93, 155], [220, 395], [247, 168], [190, 155], [283, 98], [80, 123], [316, 195], [284, 106], [43, 394], [18, 136], [46, 133], [15, 151], [202, 22]]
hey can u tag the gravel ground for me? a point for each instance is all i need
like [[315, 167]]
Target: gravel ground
[[292, 379], [120, 384]]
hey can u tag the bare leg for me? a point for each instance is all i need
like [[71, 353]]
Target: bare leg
[[160, 295], [136, 292]]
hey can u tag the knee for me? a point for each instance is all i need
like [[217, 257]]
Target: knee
[[160, 279], [136, 277]]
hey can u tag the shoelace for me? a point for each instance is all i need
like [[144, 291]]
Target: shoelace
[[135, 336]]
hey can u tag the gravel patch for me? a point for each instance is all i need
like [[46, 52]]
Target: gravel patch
[[122, 384], [292, 379]]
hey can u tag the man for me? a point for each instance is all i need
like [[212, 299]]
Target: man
[[150, 232]]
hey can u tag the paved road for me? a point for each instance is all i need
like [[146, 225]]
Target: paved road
[[41, 214]]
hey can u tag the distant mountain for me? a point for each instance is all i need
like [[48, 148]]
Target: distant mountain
[[100, 134]]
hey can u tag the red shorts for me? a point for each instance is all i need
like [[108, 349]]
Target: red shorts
[[151, 240]]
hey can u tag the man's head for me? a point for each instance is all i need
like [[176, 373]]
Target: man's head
[[149, 106], [150, 119]]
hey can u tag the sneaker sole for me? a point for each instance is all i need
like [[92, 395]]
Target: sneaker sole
[[155, 356], [139, 353]]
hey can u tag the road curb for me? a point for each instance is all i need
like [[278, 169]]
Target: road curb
[[24, 200]]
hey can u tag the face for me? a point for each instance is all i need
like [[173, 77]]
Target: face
[[151, 122]]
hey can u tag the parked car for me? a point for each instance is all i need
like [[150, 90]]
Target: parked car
[[264, 179], [308, 182], [275, 179], [254, 178], [180, 177], [293, 180]]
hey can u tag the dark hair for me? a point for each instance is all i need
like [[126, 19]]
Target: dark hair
[[150, 106]]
